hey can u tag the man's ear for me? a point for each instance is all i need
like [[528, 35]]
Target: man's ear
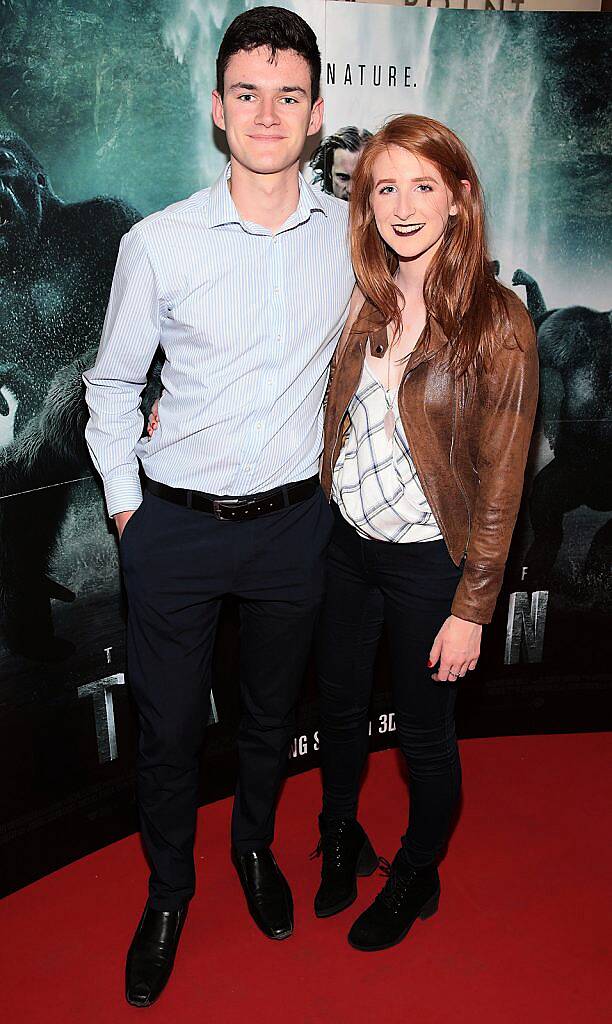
[[217, 110], [316, 117]]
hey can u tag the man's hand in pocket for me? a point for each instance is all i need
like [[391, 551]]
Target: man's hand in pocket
[[121, 518]]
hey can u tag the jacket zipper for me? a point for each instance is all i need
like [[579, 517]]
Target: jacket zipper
[[457, 478]]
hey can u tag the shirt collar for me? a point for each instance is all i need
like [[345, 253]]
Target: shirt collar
[[223, 210]]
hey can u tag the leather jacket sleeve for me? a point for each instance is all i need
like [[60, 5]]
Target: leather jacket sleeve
[[508, 395]]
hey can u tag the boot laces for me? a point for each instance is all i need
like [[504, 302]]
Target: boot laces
[[331, 845], [395, 888], [384, 866]]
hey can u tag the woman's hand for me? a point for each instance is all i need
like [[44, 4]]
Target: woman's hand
[[456, 647], [153, 418]]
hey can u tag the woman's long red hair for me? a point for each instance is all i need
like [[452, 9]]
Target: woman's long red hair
[[460, 288]]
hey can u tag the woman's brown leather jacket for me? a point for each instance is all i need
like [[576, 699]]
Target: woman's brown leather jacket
[[468, 437]]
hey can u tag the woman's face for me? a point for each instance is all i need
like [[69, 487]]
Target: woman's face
[[410, 202]]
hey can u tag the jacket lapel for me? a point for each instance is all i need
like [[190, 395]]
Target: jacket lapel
[[427, 347]]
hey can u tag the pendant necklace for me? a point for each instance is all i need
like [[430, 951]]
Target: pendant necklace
[[389, 420]]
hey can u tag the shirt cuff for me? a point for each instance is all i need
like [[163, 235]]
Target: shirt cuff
[[123, 494]]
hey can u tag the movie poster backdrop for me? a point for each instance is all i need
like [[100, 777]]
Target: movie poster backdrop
[[104, 118]]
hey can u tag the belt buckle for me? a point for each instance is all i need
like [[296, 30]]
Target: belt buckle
[[225, 504]]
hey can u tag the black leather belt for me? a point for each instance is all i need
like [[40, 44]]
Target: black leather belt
[[237, 509]]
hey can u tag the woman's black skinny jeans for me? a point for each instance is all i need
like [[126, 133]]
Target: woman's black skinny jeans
[[411, 588]]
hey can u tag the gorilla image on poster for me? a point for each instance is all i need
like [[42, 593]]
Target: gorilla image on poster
[[56, 266], [575, 415]]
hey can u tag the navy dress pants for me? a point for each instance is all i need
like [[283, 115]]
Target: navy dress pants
[[178, 563], [410, 587]]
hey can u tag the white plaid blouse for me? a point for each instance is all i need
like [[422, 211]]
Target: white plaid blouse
[[375, 483]]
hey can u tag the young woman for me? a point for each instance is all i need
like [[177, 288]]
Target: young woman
[[428, 422]]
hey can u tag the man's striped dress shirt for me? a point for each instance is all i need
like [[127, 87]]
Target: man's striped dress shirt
[[248, 320]]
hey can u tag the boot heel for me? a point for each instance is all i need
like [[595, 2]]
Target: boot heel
[[367, 862], [430, 907]]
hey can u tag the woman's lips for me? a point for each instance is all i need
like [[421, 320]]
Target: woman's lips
[[406, 230]]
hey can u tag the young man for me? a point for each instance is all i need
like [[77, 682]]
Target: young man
[[246, 286]]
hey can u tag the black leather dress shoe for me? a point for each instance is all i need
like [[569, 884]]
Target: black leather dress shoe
[[267, 893], [408, 893], [347, 852], [151, 956]]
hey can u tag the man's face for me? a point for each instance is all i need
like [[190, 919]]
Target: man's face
[[343, 166], [265, 111]]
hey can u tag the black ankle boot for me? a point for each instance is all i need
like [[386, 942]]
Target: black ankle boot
[[150, 958], [347, 852], [407, 894]]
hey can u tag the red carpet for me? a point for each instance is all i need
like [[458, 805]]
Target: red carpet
[[522, 934]]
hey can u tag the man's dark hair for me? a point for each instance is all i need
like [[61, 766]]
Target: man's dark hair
[[277, 29], [350, 138]]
